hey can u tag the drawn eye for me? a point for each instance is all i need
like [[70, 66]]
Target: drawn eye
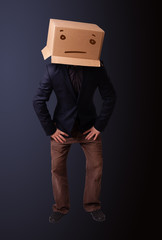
[[62, 37], [92, 41]]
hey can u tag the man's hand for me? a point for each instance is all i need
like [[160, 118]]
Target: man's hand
[[93, 131], [58, 137]]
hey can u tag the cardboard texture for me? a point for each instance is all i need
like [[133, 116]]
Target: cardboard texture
[[73, 43]]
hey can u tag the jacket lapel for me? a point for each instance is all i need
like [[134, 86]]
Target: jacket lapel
[[69, 84]]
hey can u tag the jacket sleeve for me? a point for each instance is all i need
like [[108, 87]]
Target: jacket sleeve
[[108, 95], [39, 103]]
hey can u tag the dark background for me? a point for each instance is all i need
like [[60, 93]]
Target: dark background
[[128, 141]]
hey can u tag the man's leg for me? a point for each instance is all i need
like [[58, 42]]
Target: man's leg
[[94, 164], [59, 153]]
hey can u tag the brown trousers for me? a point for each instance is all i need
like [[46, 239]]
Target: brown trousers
[[94, 164]]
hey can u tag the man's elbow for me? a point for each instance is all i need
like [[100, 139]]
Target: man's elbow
[[34, 102], [113, 97]]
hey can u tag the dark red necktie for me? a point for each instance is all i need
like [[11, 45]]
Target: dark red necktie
[[75, 73]]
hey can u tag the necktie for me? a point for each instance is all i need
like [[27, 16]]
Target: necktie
[[75, 73]]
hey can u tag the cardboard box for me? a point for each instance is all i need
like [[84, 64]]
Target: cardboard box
[[73, 43]]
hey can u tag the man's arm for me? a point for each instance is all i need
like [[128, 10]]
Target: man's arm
[[39, 103], [108, 95]]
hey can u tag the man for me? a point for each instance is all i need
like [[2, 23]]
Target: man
[[75, 121]]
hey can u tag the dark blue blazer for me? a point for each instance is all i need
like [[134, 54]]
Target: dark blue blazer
[[68, 107]]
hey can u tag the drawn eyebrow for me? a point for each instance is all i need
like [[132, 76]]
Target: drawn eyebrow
[[61, 30], [93, 35]]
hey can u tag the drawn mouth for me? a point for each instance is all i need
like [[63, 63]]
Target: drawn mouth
[[74, 52]]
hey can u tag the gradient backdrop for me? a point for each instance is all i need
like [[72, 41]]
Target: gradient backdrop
[[128, 140]]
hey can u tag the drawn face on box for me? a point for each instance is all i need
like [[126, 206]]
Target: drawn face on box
[[74, 43]]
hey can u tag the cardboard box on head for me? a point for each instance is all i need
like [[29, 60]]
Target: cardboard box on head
[[74, 43]]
